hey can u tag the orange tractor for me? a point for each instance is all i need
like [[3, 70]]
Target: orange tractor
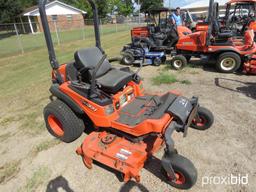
[[240, 15], [221, 46], [128, 127]]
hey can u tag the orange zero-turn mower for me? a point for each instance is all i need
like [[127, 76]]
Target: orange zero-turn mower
[[240, 14], [128, 126], [227, 51]]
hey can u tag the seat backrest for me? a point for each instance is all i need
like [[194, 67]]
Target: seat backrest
[[216, 27], [87, 59]]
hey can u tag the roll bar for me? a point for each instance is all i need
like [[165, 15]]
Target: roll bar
[[210, 21], [47, 35], [52, 55], [96, 24]]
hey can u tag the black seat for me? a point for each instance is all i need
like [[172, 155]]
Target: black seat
[[221, 34], [108, 79]]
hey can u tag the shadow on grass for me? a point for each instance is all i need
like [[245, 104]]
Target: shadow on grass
[[127, 187], [58, 183], [248, 88]]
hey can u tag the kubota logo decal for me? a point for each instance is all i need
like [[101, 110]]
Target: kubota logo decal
[[89, 106]]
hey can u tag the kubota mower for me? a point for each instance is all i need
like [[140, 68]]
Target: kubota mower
[[128, 126], [150, 44], [227, 51], [240, 15]]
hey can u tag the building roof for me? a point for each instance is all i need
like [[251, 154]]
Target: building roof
[[54, 8], [158, 10], [202, 3]]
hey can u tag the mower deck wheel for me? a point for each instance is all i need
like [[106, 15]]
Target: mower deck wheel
[[179, 62], [62, 122], [157, 61], [228, 62], [204, 120], [128, 58], [185, 172]]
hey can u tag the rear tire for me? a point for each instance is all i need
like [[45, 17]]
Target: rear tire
[[185, 171], [179, 62], [228, 62], [62, 122], [206, 119]]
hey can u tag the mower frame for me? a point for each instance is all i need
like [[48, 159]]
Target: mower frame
[[128, 126]]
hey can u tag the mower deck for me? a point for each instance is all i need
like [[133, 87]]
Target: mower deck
[[116, 152]]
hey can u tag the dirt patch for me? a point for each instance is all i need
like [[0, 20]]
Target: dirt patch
[[37, 179], [9, 170]]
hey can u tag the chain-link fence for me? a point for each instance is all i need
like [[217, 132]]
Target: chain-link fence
[[18, 38]]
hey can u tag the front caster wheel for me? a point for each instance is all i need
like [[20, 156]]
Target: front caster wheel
[[179, 62], [204, 119], [185, 172]]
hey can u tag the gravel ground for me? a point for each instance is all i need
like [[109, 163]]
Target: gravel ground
[[229, 147]]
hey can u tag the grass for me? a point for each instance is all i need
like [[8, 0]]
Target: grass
[[37, 179], [9, 170], [45, 146], [5, 136], [166, 78], [11, 45], [7, 120]]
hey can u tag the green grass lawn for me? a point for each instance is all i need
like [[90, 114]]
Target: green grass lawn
[[11, 45], [25, 79]]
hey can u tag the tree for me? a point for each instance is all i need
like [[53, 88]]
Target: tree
[[148, 4], [9, 10], [28, 3], [125, 7], [84, 5]]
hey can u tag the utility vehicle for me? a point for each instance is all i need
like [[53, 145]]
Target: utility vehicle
[[151, 42]]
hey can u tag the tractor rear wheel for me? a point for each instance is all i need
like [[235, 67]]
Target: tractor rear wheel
[[228, 62], [185, 172], [62, 122]]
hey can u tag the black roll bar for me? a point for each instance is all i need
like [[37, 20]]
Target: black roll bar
[[96, 24], [52, 55], [210, 22], [47, 35], [48, 38]]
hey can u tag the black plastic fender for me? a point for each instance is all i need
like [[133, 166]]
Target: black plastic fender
[[66, 99]]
